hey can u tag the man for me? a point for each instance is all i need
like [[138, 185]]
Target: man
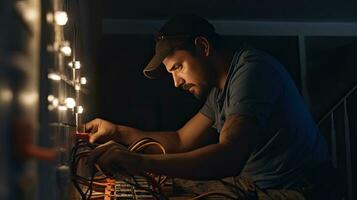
[[266, 136]]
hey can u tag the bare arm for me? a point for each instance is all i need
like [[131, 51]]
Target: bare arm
[[197, 132], [226, 158]]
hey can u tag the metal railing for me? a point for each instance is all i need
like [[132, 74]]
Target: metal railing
[[347, 134]]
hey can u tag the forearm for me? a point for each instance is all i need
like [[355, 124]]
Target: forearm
[[210, 162], [169, 139]]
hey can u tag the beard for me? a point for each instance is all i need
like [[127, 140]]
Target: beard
[[202, 92]]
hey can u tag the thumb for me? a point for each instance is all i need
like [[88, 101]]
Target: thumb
[[95, 136]]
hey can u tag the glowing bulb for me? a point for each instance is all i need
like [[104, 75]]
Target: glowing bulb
[[55, 102], [50, 98], [77, 87], [62, 107], [83, 80], [61, 18], [66, 50], [6, 95], [70, 103], [49, 17], [54, 76], [50, 107], [50, 48], [75, 64], [79, 109]]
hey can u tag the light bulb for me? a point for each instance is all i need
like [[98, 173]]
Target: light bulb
[[6, 95], [61, 18], [62, 107], [50, 98], [55, 102], [50, 48], [77, 87], [50, 107], [66, 50], [79, 109], [70, 102], [49, 17], [54, 76], [75, 64], [83, 80]]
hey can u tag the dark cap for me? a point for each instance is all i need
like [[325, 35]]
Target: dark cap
[[168, 37]]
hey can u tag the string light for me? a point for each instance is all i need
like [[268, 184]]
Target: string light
[[54, 76], [66, 49], [50, 98], [6, 95], [50, 107], [77, 87], [83, 80], [61, 18], [55, 102], [61, 47], [79, 109], [62, 107], [70, 102], [49, 17], [75, 64]]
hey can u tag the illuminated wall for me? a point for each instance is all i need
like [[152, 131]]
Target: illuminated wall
[[62, 91]]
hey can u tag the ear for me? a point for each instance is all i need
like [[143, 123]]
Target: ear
[[202, 45]]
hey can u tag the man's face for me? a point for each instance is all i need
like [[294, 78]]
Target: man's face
[[190, 72]]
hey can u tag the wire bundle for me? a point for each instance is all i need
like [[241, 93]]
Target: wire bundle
[[99, 183], [77, 180]]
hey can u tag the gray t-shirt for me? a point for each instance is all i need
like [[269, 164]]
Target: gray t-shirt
[[258, 86]]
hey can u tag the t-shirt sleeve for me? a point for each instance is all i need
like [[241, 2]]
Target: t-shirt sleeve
[[254, 89], [208, 109]]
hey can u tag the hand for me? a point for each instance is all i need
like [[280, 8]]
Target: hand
[[101, 130], [112, 158]]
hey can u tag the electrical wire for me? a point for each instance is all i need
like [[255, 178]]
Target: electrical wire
[[95, 181], [75, 157], [144, 143], [204, 195]]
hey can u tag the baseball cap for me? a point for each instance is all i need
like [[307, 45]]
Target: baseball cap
[[171, 35]]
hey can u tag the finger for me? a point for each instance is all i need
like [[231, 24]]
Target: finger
[[94, 136], [93, 156], [90, 125]]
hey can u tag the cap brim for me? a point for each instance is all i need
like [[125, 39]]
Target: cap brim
[[153, 69], [162, 50]]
